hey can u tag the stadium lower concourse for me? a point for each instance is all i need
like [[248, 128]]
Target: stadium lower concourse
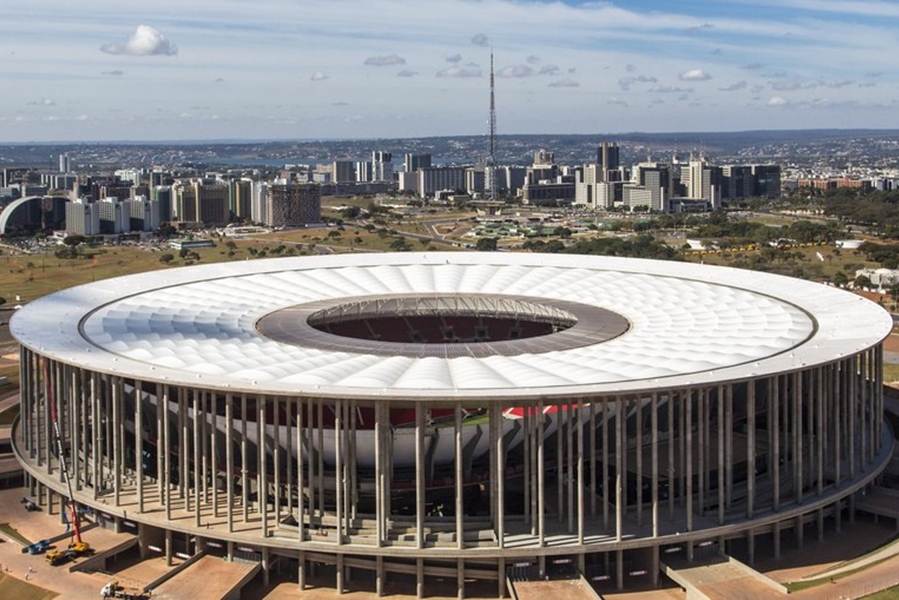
[[470, 417]]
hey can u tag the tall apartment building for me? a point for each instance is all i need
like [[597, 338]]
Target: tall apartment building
[[65, 164], [113, 217], [382, 166], [414, 162], [201, 201], [652, 186], [291, 204], [142, 214], [82, 217], [163, 195], [703, 182], [434, 179], [364, 171], [240, 198], [767, 180], [343, 171], [608, 157]]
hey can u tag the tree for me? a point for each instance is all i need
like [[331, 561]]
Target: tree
[[166, 258], [486, 244], [840, 279], [862, 281]]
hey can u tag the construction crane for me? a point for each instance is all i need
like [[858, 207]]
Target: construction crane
[[77, 546]]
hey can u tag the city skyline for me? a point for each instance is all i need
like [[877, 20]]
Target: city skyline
[[387, 68]]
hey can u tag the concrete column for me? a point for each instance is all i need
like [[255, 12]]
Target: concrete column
[[419, 578], [750, 448], [501, 587], [722, 424], [605, 465], [638, 455], [672, 434], [168, 547], [229, 461], [199, 459], [338, 470], [688, 431], [500, 479], [541, 490], [419, 480], [301, 570], [164, 450], [654, 467], [593, 459], [244, 471], [261, 478], [458, 483], [340, 566], [581, 451], [620, 449], [774, 420], [776, 539], [460, 578], [379, 576], [301, 510]]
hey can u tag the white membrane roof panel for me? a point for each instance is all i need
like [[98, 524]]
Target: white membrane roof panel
[[688, 325]]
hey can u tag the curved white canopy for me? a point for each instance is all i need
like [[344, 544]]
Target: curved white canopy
[[689, 325]]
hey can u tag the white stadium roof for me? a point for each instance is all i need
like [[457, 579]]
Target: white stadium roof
[[687, 325]]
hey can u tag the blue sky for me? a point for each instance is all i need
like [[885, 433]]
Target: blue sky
[[214, 69]]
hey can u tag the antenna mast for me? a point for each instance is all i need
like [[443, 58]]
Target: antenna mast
[[491, 160]]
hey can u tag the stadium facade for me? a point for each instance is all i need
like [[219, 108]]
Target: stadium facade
[[463, 416]]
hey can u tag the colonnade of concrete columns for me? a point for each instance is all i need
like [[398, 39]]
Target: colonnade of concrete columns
[[589, 474]]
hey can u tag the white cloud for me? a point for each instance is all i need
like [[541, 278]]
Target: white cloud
[[454, 58], [777, 101], [695, 75], [548, 70], [479, 39], [533, 59], [625, 83], [407, 73], [143, 41], [385, 61], [668, 89], [563, 83], [515, 71], [459, 72], [740, 85], [318, 76], [114, 73]]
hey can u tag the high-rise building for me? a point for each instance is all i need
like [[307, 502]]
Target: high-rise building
[[292, 204], [382, 166], [434, 179], [142, 214], [609, 159], [343, 171], [201, 201], [82, 217], [544, 158], [113, 217], [766, 180], [414, 162], [364, 171], [65, 165], [703, 182], [163, 195], [240, 198]]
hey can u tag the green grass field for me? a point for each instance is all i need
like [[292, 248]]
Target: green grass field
[[10, 587]]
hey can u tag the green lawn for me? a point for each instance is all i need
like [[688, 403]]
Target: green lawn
[[10, 587]]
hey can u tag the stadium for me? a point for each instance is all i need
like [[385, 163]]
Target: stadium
[[470, 417]]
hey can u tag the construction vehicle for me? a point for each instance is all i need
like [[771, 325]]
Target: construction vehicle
[[59, 557], [77, 547], [37, 547], [114, 589]]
